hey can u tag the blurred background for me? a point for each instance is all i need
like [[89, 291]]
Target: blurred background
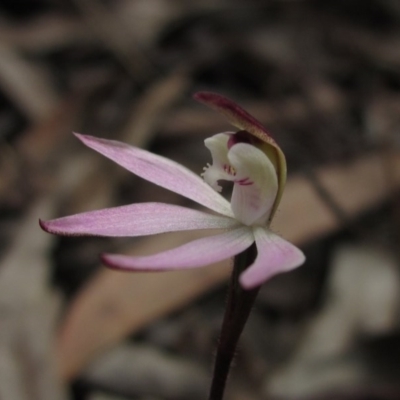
[[322, 76]]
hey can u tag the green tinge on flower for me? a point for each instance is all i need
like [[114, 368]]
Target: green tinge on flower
[[255, 187], [242, 120]]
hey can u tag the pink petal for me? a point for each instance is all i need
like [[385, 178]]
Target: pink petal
[[161, 171], [136, 220], [275, 255], [194, 254]]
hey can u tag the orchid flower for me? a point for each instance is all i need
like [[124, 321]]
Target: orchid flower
[[249, 158]]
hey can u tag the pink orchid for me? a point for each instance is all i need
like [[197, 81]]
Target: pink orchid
[[249, 158]]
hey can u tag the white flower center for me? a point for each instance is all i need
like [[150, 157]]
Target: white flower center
[[251, 171]]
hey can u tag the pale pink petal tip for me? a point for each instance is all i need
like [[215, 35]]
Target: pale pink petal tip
[[43, 225], [52, 227], [80, 136], [108, 260], [275, 255]]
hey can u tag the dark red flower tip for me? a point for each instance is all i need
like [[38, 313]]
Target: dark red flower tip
[[235, 114]]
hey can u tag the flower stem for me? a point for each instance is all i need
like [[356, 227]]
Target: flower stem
[[238, 308]]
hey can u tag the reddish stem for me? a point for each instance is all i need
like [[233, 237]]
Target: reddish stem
[[237, 311]]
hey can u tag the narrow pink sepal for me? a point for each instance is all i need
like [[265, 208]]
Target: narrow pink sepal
[[160, 171], [197, 253], [275, 255], [136, 220]]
